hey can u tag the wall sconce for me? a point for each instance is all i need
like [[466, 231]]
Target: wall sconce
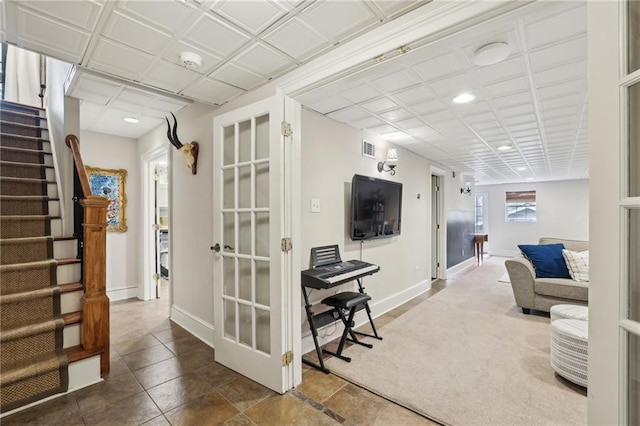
[[466, 190], [390, 164]]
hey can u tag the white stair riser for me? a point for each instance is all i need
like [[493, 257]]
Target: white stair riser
[[56, 227], [84, 373], [70, 302], [71, 335], [50, 174], [48, 160], [69, 273], [65, 249], [54, 208], [52, 190]]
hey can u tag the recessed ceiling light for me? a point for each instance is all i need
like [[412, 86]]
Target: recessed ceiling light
[[131, 120], [529, 178], [521, 169], [463, 98], [504, 147], [491, 53]]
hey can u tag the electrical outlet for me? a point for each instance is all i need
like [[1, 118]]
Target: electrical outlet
[[315, 205]]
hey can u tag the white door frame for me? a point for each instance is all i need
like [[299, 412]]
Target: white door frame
[[148, 237], [442, 241]]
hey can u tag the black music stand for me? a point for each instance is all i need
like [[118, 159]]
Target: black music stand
[[344, 302]]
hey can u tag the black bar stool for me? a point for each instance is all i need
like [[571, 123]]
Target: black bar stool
[[346, 302]]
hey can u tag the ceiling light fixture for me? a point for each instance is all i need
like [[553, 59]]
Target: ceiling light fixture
[[131, 120], [463, 98], [190, 60], [491, 53], [521, 169], [504, 147]]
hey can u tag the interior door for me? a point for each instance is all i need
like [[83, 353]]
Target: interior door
[[249, 329], [435, 226]]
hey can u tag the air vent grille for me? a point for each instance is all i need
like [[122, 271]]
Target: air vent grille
[[368, 149]]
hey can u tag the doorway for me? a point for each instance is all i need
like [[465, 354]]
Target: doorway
[[157, 255], [436, 228]]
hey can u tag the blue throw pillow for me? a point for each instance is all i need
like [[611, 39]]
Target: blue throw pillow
[[547, 260]]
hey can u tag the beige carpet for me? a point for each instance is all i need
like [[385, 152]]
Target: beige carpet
[[466, 356]]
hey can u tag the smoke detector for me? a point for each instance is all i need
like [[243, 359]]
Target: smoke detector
[[190, 60], [491, 53]]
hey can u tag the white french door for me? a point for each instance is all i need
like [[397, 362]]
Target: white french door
[[250, 333]]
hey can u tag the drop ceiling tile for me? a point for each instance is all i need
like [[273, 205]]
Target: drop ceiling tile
[[163, 105], [426, 108], [329, 104], [254, 16], [516, 85], [169, 76], [235, 75], [41, 34], [366, 123], [508, 101], [414, 95], [360, 93], [481, 118], [297, 39], [167, 15], [515, 111], [120, 60], [439, 66], [136, 97], [349, 114], [397, 80], [212, 91], [439, 116], [96, 91], [410, 123], [262, 60], [380, 105], [392, 8], [426, 133], [576, 70], [566, 51], [557, 27], [394, 114], [134, 33], [505, 70], [563, 89], [381, 130], [211, 34], [519, 119], [83, 14], [454, 85], [335, 19], [523, 126], [562, 102]]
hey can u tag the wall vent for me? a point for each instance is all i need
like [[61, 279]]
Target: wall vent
[[368, 149]]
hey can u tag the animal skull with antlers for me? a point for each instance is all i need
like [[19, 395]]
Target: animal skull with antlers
[[189, 150]]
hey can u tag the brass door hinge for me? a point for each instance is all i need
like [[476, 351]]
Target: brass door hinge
[[155, 277], [286, 129], [287, 358], [286, 245]]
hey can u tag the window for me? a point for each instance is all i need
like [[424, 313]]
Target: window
[[480, 214], [521, 206]]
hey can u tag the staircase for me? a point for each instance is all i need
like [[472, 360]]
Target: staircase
[[41, 351]]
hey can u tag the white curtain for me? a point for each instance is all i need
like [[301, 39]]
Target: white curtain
[[22, 79]]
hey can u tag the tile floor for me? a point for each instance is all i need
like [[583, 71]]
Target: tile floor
[[161, 374]]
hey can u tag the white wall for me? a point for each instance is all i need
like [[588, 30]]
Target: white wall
[[331, 155], [123, 260], [562, 212]]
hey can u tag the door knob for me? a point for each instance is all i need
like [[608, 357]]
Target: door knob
[[216, 248]]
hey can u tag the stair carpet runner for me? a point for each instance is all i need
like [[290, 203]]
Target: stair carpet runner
[[33, 364]]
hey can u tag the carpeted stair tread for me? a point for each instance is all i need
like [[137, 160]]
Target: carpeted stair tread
[[37, 365], [14, 116], [29, 276], [28, 249], [5, 104], [27, 205], [17, 149], [25, 226], [23, 170], [23, 129], [29, 307], [22, 331], [21, 141], [24, 342]]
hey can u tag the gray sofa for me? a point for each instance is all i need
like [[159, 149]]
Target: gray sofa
[[542, 293]]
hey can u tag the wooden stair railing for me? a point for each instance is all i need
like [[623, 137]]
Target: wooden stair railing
[[95, 303]]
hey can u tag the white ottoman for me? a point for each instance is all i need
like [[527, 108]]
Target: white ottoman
[[569, 352], [569, 312]]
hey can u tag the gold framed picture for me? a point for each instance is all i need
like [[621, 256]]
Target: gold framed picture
[[110, 183]]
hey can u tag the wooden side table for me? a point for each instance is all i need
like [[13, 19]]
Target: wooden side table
[[479, 240]]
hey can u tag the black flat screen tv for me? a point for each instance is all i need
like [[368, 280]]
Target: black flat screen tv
[[376, 207]]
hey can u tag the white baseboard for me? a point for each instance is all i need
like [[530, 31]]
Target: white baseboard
[[461, 267], [194, 325], [122, 293], [504, 253], [334, 330]]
